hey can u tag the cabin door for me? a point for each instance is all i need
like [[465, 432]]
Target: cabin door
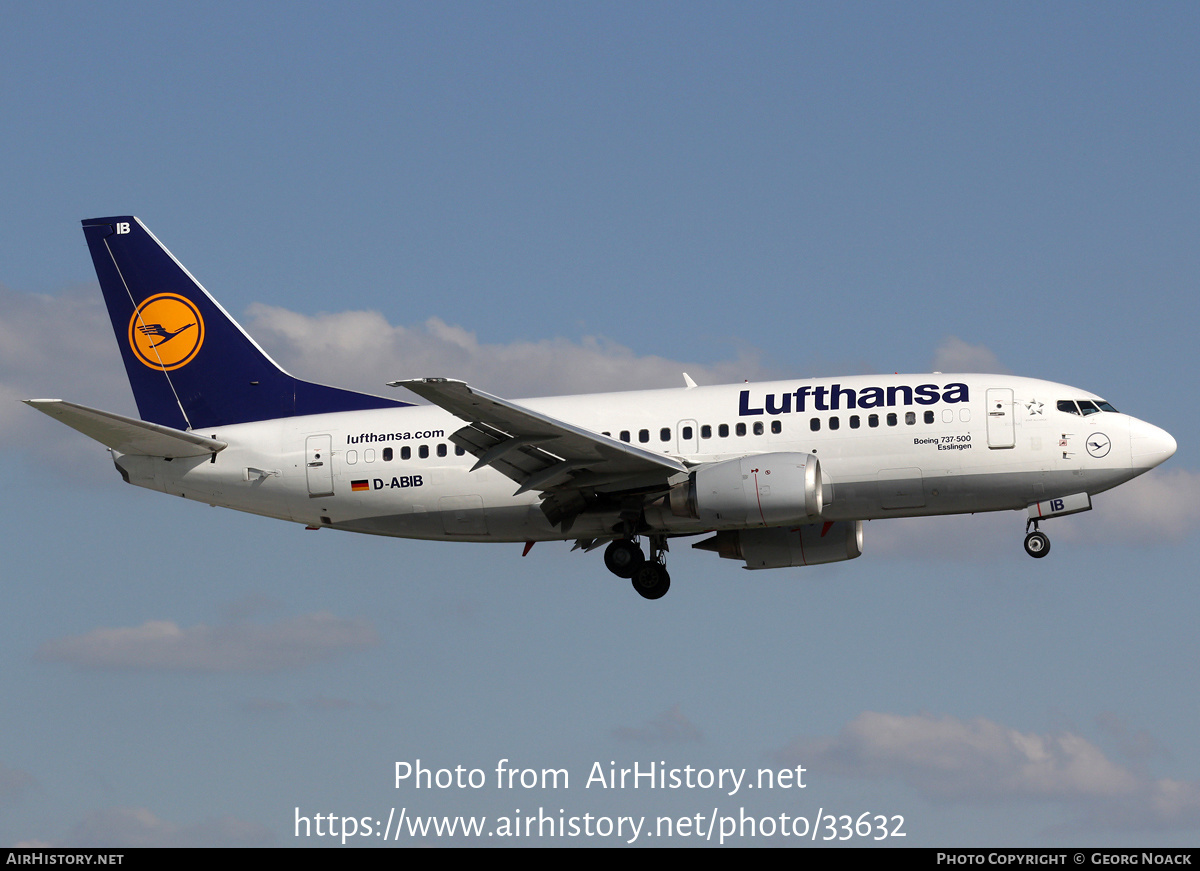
[[1000, 418], [318, 461]]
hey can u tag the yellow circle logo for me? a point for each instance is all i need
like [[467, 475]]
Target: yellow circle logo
[[166, 331]]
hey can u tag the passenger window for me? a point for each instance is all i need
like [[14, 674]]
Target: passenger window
[[740, 429], [664, 434], [387, 455], [723, 430], [687, 432], [643, 435], [441, 449], [834, 422], [706, 431], [369, 455], [929, 417], [910, 417], [758, 427], [873, 420], [777, 426], [351, 457], [891, 419], [458, 451], [854, 421], [423, 452], [624, 435], [405, 453], [814, 424]]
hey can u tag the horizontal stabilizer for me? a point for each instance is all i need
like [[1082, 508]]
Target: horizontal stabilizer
[[127, 435]]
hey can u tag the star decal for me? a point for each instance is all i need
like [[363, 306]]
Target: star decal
[[1033, 406]]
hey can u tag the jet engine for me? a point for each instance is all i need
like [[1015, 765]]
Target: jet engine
[[781, 546], [760, 490]]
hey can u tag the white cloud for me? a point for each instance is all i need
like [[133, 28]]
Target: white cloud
[[955, 355], [362, 350], [163, 645], [1162, 505], [52, 343], [63, 347], [980, 761], [58, 347]]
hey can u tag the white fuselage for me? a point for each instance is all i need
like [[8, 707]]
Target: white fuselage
[[888, 446]]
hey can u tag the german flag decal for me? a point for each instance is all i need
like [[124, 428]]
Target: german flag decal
[[364, 484]]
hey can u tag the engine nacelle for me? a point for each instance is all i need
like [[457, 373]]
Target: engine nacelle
[[761, 490], [779, 547]]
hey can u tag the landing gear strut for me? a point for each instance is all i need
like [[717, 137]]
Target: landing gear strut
[[651, 579], [1037, 544]]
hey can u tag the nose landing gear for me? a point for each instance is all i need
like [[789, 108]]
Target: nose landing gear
[[1037, 543]]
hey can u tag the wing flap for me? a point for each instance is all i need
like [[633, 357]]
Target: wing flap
[[515, 457], [126, 435]]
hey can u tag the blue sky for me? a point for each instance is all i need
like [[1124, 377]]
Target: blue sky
[[549, 198]]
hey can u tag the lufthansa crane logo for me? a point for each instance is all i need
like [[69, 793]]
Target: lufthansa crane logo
[[1098, 445], [166, 331]]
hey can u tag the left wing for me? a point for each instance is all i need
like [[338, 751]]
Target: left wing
[[567, 464]]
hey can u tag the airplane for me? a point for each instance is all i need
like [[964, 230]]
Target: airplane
[[777, 474]]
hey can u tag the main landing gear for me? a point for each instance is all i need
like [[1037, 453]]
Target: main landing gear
[[625, 559], [1037, 544]]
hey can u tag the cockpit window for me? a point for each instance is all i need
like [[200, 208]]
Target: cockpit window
[[1085, 406]]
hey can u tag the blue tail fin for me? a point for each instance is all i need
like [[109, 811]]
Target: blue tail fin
[[190, 364]]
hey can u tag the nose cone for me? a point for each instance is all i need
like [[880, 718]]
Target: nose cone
[[1149, 445]]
